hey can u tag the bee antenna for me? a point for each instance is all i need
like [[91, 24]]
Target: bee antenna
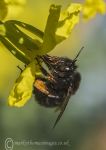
[[78, 53]]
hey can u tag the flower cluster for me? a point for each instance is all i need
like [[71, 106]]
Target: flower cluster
[[92, 7], [58, 28], [61, 24]]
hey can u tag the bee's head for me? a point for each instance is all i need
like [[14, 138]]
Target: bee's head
[[66, 64], [60, 66]]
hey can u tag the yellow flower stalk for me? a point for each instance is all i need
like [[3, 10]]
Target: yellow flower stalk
[[58, 28], [92, 7]]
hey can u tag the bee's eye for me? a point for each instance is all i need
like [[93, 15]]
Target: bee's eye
[[63, 68], [67, 68]]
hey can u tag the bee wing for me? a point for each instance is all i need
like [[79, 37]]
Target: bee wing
[[63, 106]]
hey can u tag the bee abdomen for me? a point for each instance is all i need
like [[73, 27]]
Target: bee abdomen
[[47, 100]]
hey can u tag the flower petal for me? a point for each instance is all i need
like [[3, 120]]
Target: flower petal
[[68, 19], [22, 89]]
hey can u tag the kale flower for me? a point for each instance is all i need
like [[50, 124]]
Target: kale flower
[[92, 7], [58, 28]]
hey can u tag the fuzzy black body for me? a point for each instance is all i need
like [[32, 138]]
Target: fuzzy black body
[[51, 90]]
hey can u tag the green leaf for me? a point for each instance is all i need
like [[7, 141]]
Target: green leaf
[[28, 27], [14, 35], [18, 42], [16, 52]]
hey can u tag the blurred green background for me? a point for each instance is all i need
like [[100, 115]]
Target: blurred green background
[[84, 121]]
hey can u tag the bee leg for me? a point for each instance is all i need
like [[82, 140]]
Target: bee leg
[[44, 71], [53, 96], [25, 65], [42, 68], [20, 68], [50, 67]]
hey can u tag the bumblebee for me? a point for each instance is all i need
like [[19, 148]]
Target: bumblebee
[[60, 80]]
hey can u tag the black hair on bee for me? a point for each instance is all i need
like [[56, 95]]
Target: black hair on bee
[[58, 82]]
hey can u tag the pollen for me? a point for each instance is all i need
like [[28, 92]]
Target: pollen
[[21, 40], [40, 85]]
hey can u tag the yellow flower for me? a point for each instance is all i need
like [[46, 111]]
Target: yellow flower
[[15, 7], [22, 89], [58, 27], [11, 8], [3, 9], [92, 7], [67, 21]]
